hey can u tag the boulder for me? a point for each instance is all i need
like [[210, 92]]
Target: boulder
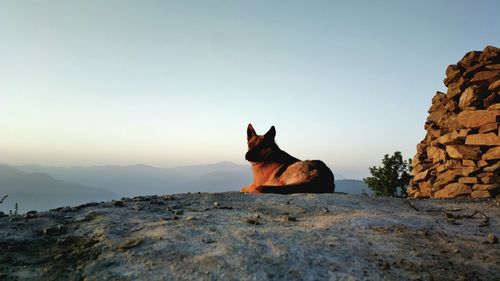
[[463, 152], [461, 146], [477, 118], [492, 153], [490, 53], [453, 77], [480, 194], [321, 237], [453, 91], [471, 180], [469, 59], [490, 180], [453, 190], [436, 154], [490, 127], [485, 186], [468, 163], [482, 163], [489, 139], [420, 176], [448, 138], [469, 97], [491, 100], [492, 168], [484, 78], [494, 86]]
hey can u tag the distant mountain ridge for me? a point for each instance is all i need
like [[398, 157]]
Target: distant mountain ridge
[[147, 180], [40, 191], [127, 181], [142, 179]]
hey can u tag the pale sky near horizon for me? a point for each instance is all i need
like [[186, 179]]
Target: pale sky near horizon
[[171, 83]]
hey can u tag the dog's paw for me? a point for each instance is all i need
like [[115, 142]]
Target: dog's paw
[[250, 189], [247, 189]]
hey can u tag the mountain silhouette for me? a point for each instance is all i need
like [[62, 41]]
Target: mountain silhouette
[[40, 191]]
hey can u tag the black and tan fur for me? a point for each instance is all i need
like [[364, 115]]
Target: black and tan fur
[[275, 171]]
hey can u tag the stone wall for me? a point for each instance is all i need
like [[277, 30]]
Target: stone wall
[[460, 154]]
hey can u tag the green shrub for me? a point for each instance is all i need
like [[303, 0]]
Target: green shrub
[[391, 177]]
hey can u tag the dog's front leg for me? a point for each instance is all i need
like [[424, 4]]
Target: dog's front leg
[[248, 189]]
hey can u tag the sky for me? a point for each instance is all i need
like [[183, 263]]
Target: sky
[[173, 83]]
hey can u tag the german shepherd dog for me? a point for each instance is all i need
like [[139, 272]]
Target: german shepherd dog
[[275, 171]]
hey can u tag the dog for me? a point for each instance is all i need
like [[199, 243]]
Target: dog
[[275, 171]]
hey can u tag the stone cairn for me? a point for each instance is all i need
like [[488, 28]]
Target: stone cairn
[[460, 154]]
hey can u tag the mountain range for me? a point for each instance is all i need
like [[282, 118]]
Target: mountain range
[[42, 187], [40, 191]]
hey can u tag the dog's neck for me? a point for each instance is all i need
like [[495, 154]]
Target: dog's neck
[[279, 157]]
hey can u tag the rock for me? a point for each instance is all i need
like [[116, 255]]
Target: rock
[[451, 69], [491, 100], [441, 168], [493, 167], [462, 130], [480, 194], [492, 153], [494, 86], [468, 163], [129, 244], [463, 133], [477, 118], [53, 230], [485, 174], [453, 190], [425, 186], [486, 128], [448, 138], [452, 77], [435, 154], [484, 78], [119, 203], [489, 139], [482, 163], [469, 97], [491, 239], [436, 116], [421, 176], [463, 152], [451, 174], [454, 90], [438, 102], [253, 221], [490, 53], [288, 218], [485, 186], [357, 238], [490, 179], [471, 180], [494, 66], [470, 59], [418, 168]]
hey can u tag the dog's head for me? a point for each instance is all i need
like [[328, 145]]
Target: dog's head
[[260, 147]]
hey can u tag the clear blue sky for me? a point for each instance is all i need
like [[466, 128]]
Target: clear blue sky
[[171, 83]]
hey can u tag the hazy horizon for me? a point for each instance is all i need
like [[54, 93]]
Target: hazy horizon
[[175, 83]]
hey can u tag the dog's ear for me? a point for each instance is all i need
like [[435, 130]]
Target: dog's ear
[[270, 134], [250, 132]]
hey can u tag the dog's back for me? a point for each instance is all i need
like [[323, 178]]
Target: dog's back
[[275, 171], [310, 176]]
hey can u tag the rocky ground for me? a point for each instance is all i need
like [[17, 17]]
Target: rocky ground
[[232, 236]]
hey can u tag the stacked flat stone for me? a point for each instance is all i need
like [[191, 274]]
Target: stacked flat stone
[[460, 154]]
